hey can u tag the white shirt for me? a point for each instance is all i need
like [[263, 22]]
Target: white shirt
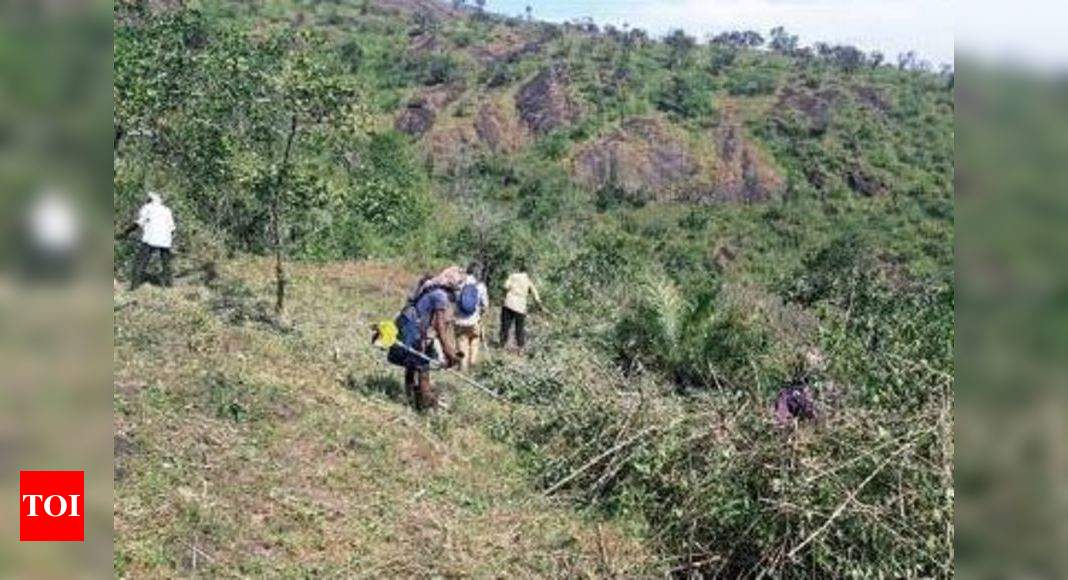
[[54, 224], [157, 225]]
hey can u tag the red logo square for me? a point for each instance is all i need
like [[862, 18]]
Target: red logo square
[[52, 506]]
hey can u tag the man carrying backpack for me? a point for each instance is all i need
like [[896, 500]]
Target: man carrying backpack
[[429, 324], [471, 303]]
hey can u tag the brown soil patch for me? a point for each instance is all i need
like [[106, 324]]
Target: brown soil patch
[[643, 157], [813, 110], [544, 103], [498, 128], [422, 111], [743, 172]]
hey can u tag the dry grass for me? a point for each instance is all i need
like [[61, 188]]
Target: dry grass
[[245, 449]]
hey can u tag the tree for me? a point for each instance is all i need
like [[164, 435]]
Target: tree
[[907, 60], [248, 124], [783, 42], [848, 58], [740, 39], [876, 59], [948, 74], [722, 58], [530, 13], [680, 47]]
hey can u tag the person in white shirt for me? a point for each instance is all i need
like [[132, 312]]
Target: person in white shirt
[[157, 236], [514, 312], [468, 329]]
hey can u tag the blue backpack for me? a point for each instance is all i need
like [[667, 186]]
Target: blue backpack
[[467, 301]]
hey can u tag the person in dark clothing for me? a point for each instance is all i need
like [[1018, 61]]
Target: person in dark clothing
[[510, 318], [435, 312], [141, 259]]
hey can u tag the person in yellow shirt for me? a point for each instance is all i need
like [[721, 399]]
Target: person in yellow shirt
[[517, 288]]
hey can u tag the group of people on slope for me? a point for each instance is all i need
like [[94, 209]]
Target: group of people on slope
[[444, 322], [445, 314]]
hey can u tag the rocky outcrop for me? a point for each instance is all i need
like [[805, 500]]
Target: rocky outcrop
[[743, 172], [498, 129], [873, 98], [644, 158], [451, 149], [812, 112], [416, 119], [864, 181], [419, 116], [434, 8], [544, 103]]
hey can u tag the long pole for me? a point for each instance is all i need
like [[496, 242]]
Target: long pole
[[463, 377]]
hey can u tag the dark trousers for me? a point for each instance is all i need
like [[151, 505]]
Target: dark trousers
[[144, 254], [508, 318]]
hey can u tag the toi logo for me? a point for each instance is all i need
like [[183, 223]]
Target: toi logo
[[51, 506]]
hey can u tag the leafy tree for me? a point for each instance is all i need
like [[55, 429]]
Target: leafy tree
[[722, 58], [251, 123], [848, 58], [680, 47], [782, 41], [740, 39], [907, 60]]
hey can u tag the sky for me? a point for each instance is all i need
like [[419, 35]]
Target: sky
[[891, 26]]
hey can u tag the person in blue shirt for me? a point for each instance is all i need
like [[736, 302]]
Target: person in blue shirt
[[434, 310]]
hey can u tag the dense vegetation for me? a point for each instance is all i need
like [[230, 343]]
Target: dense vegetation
[[709, 221]]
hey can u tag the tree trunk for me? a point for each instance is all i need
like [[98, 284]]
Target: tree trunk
[[276, 223]]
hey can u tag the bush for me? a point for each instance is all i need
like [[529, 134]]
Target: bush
[[725, 489], [685, 97], [729, 336], [435, 69], [752, 82]]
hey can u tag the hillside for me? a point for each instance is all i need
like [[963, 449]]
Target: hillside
[[242, 449], [708, 222]]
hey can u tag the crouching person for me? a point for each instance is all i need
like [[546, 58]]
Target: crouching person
[[432, 313]]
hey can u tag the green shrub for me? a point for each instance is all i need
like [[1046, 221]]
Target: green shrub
[[728, 336], [725, 490]]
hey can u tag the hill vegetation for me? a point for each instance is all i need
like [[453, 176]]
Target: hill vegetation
[[710, 221]]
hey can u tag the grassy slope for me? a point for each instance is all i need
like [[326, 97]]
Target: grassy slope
[[266, 452]]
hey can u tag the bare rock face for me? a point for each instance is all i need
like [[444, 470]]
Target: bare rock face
[[864, 182], [544, 103], [450, 149], [424, 43], [421, 113], [643, 158], [435, 8], [743, 173], [498, 129], [813, 111], [873, 98], [416, 119]]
